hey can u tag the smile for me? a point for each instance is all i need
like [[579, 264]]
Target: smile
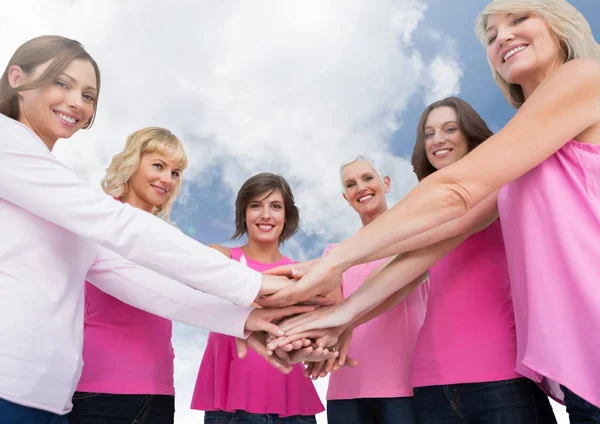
[[265, 227], [160, 190], [365, 198], [441, 153], [513, 52], [65, 118]]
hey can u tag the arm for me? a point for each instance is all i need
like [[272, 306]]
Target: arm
[[563, 106], [159, 295], [38, 183]]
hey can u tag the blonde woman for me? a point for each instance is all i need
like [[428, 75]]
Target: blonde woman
[[127, 352], [546, 164]]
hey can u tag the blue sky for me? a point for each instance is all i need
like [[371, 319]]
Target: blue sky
[[287, 87]]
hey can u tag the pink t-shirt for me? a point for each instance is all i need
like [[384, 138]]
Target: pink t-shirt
[[551, 224], [383, 346], [469, 332], [125, 350], [228, 383]]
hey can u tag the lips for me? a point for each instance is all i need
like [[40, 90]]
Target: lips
[[365, 198], [160, 190], [512, 51]]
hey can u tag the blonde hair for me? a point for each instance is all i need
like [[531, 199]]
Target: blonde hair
[[123, 165], [61, 51], [567, 23]]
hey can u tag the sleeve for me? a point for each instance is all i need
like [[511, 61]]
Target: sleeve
[[159, 295], [36, 181]]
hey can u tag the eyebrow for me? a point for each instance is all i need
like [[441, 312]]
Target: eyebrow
[[508, 15], [445, 123], [89, 87], [369, 173]]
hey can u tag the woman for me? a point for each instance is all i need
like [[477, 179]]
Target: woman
[[249, 390], [464, 361], [378, 390], [127, 352], [59, 231], [546, 161]]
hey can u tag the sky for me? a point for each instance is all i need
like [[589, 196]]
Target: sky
[[293, 88]]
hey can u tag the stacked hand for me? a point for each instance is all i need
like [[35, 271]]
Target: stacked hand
[[313, 331]]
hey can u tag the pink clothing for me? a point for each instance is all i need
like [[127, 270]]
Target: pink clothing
[[469, 332], [228, 383], [551, 225], [383, 346], [125, 350]]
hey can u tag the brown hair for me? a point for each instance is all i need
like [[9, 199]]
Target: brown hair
[[266, 183], [470, 124], [61, 51]]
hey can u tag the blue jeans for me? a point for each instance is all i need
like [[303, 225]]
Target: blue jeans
[[104, 408], [397, 410], [243, 417], [517, 401], [11, 413], [580, 410]]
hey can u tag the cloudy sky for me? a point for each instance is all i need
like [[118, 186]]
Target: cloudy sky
[[251, 86]]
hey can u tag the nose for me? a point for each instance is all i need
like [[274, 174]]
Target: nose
[[439, 138], [75, 100], [504, 36]]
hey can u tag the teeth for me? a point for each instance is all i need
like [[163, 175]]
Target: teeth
[[442, 152], [66, 118], [160, 189], [368, 196], [265, 227], [513, 51]]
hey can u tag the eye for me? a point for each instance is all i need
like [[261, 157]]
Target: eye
[[277, 206], [428, 135], [348, 185], [450, 130], [254, 205], [61, 84], [517, 21], [491, 39], [175, 174], [158, 165], [89, 98], [368, 178]]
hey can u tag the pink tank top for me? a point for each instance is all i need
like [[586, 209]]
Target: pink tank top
[[551, 225], [469, 332], [383, 346], [228, 383], [125, 350]]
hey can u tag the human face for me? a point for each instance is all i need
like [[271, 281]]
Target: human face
[[265, 217], [445, 143], [363, 189], [153, 182], [61, 108], [522, 48]]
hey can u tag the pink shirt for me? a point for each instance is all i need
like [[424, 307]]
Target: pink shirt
[[551, 224], [469, 332], [383, 346], [125, 350], [228, 383]]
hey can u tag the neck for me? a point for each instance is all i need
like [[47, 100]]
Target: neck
[[367, 219], [530, 85], [262, 252], [50, 143], [136, 202]]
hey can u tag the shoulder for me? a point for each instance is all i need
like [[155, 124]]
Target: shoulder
[[224, 250], [584, 73]]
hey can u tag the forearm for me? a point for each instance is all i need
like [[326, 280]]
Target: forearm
[[402, 271], [389, 303]]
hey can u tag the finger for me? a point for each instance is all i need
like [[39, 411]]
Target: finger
[[351, 362], [269, 328], [285, 340], [316, 371], [298, 344], [319, 300], [301, 355], [344, 348], [284, 270], [279, 313], [241, 347], [284, 356]]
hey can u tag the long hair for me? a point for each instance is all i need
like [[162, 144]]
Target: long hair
[[470, 124], [60, 51], [124, 164], [570, 26]]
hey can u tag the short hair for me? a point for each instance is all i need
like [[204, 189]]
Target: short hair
[[473, 127], [124, 164], [61, 51], [569, 25], [266, 183], [359, 158]]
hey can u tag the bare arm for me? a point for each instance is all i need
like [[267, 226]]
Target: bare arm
[[561, 108]]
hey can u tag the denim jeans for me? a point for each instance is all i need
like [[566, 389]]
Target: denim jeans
[[104, 408], [243, 417], [517, 401], [12, 413], [397, 410], [580, 410]]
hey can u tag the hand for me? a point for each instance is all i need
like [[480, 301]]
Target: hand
[[262, 319], [257, 342], [318, 280], [325, 338], [337, 315], [272, 284], [314, 301], [296, 270]]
